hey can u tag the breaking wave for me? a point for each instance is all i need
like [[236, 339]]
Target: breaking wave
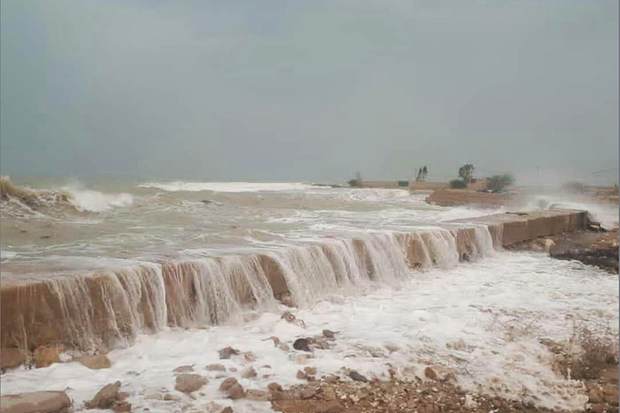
[[225, 186], [18, 201]]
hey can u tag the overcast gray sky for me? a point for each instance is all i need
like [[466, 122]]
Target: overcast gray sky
[[309, 90]]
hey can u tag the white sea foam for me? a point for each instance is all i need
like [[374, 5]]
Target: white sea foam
[[225, 186], [498, 309], [95, 201]]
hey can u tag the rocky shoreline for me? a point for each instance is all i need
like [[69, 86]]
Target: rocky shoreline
[[594, 246]]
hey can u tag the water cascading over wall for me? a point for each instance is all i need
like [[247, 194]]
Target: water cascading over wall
[[104, 310]]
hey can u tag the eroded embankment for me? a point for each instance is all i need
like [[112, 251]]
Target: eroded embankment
[[95, 312]]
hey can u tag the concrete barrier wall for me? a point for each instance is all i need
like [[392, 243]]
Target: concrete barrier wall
[[519, 227]]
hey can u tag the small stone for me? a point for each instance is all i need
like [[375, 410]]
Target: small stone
[[430, 373], [122, 395], [257, 395], [329, 334], [187, 383], [284, 347], [307, 393], [357, 377], [302, 344], [310, 371], [227, 352], [274, 387], [301, 375], [227, 409], [183, 369], [288, 316], [228, 383], [248, 373], [170, 397], [215, 367], [236, 392]]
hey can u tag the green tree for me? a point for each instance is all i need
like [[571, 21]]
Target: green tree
[[499, 182], [466, 173], [458, 184]]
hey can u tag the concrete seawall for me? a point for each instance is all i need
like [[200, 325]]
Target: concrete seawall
[[512, 228], [108, 308]]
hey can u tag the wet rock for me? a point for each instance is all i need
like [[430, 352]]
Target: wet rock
[[307, 393], [96, 362], [288, 316], [357, 377], [228, 352], [310, 371], [121, 407], [236, 392], [429, 373], [36, 402], [12, 357], [47, 355], [215, 367], [187, 383], [249, 356], [170, 398], [257, 395], [232, 388], [329, 334], [105, 397], [301, 375], [248, 373], [302, 344], [274, 387], [227, 409]]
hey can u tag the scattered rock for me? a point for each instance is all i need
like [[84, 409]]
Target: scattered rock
[[288, 316], [274, 387], [302, 344], [170, 398], [105, 397], [36, 402], [310, 371], [187, 383], [227, 409], [249, 356], [329, 334], [357, 377], [284, 347], [257, 395], [248, 373], [96, 362], [184, 369], [227, 352], [429, 373], [232, 388], [307, 393], [215, 367]]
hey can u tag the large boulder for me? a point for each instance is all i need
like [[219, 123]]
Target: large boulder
[[105, 398], [37, 402], [12, 357], [96, 362], [47, 355]]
